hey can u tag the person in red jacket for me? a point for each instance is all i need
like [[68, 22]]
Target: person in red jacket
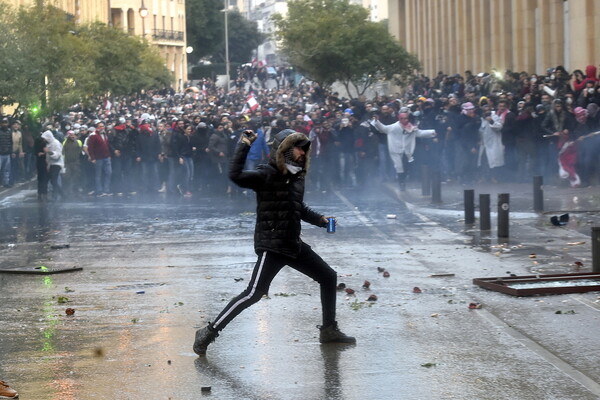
[[99, 155]]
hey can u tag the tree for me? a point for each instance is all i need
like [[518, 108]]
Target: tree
[[122, 64], [41, 59], [205, 27], [49, 63], [244, 38], [206, 32], [15, 87], [333, 40]]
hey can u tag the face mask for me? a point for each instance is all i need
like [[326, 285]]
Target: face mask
[[569, 100]]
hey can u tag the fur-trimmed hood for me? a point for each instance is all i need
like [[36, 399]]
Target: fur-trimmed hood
[[282, 142]]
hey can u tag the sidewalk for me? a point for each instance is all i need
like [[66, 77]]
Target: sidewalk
[[534, 242], [581, 203]]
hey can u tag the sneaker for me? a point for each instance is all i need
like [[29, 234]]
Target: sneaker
[[188, 194], [332, 334], [6, 392], [204, 337], [91, 193], [180, 189], [163, 188]]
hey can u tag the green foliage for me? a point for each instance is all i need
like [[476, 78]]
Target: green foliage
[[205, 27], [333, 40], [206, 32], [123, 64], [48, 63], [244, 37]]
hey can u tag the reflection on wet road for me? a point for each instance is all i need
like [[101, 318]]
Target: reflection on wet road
[[155, 269]]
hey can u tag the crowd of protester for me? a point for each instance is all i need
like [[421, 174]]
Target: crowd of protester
[[488, 127]]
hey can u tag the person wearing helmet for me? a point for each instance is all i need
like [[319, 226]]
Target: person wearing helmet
[[279, 187]]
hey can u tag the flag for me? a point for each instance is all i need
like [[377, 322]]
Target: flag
[[252, 103]]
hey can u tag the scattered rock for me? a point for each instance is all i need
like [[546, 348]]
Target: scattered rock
[[366, 284], [417, 289], [349, 291], [380, 269], [386, 274], [372, 298], [70, 311], [475, 306], [98, 352], [341, 286]]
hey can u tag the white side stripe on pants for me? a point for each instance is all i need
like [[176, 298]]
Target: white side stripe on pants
[[243, 299]]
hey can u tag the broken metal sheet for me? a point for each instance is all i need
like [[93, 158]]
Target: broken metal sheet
[[39, 270], [529, 285]]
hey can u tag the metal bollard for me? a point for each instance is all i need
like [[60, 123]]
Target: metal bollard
[[425, 180], [503, 209], [538, 193], [436, 187], [469, 196], [485, 220], [596, 249]]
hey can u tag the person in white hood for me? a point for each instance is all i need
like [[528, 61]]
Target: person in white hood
[[54, 161], [491, 149], [402, 139]]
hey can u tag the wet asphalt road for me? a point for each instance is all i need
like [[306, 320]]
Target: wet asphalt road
[[155, 269]]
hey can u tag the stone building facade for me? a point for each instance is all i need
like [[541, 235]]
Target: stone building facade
[[521, 35]]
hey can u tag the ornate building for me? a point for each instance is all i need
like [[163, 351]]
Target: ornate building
[[161, 22], [521, 35]]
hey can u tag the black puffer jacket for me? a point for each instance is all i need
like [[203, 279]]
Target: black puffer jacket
[[279, 195], [6, 143]]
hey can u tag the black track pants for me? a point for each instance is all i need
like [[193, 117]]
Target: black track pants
[[267, 267]]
